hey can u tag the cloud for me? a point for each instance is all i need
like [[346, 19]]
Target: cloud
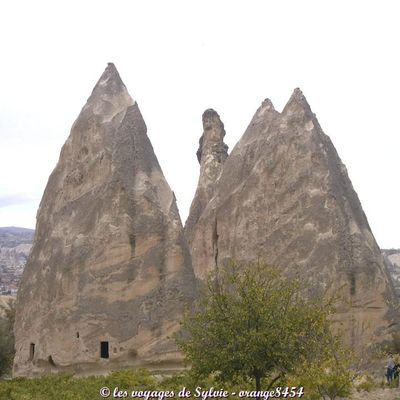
[[14, 199]]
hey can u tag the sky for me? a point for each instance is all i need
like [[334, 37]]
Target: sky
[[178, 58]]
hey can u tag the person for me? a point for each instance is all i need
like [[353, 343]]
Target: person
[[390, 369]]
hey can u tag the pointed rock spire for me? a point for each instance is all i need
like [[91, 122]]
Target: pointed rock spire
[[202, 236], [211, 142], [109, 267], [211, 155]]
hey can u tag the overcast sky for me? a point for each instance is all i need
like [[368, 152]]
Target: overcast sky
[[178, 58]]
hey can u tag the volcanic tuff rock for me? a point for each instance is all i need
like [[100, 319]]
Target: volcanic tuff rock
[[393, 255], [392, 260], [211, 155], [285, 197], [109, 273]]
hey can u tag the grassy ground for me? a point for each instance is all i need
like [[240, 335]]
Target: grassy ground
[[64, 387]]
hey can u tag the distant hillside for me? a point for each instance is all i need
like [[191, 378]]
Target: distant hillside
[[15, 245]]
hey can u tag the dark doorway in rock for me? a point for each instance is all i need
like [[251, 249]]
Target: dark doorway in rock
[[77, 335], [104, 353], [51, 361], [31, 351]]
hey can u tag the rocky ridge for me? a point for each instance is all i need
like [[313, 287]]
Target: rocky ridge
[[284, 196]]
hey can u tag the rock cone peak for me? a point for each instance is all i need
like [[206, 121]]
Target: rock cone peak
[[110, 82], [109, 264], [297, 102], [267, 103]]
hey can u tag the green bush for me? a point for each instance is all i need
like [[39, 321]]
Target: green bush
[[329, 377], [7, 340], [254, 323]]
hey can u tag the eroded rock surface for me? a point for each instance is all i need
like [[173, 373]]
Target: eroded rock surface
[[109, 273], [284, 196], [392, 260]]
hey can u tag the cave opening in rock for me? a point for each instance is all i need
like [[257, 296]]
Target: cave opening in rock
[[104, 353]]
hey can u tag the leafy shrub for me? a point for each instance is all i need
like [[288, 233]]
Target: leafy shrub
[[254, 323], [328, 378]]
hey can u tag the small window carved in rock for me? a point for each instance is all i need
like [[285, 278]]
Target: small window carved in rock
[[31, 351], [104, 351]]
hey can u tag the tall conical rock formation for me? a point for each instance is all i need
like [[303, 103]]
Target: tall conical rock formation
[[211, 155], [284, 196], [109, 273]]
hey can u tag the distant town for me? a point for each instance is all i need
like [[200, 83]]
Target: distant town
[[9, 279], [15, 245]]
